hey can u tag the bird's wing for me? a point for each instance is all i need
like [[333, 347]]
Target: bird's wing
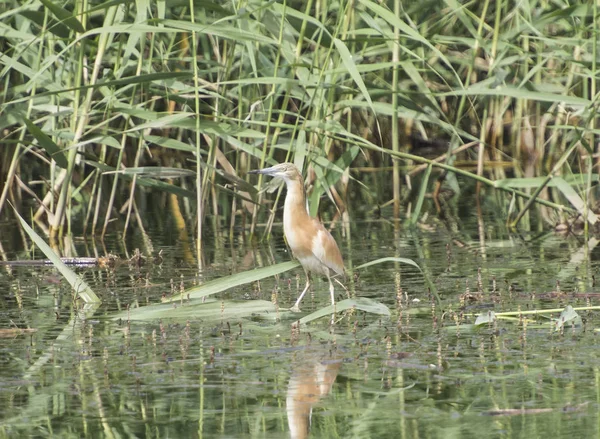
[[326, 250]]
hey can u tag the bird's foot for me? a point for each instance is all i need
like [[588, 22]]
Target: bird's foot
[[295, 308]]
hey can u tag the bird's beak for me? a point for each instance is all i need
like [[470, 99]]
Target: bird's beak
[[266, 171]]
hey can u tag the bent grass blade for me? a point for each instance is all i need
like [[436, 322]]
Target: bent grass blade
[[231, 309], [199, 310], [234, 280], [81, 288], [361, 303], [389, 259]]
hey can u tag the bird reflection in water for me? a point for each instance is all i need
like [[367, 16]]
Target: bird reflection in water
[[315, 370]]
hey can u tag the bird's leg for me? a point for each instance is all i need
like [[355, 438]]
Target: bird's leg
[[332, 299], [331, 291], [296, 307]]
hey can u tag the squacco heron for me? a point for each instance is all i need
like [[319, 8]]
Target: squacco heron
[[310, 242]]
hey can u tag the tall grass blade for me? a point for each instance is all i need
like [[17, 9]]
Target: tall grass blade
[[533, 182], [521, 93], [234, 280], [422, 192], [64, 16], [155, 172], [346, 57], [212, 310], [147, 182], [80, 287], [574, 198], [54, 151]]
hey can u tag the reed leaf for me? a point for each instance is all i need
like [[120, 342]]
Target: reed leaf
[[574, 198], [351, 68], [155, 172], [64, 16], [389, 259], [242, 79], [521, 93], [361, 303], [226, 282], [147, 182], [422, 192], [533, 182], [207, 311], [80, 287], [54, 151], [568, 317]]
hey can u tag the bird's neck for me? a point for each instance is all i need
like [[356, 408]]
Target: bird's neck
[[295, 200]]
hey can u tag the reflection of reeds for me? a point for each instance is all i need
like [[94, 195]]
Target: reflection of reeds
[[89, 99]]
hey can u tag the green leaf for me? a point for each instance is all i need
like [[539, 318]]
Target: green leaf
[[299, 19], [101, 140], [57, 28], [362, 303], [169, 120], [389, 259], [147, 182], [216, 29], [155, 172], [574, 198], [224, 283], [422, 192], [351, 67], [534, 182], [167, 142], [568, 315], [386, 109], [484, 318], [54, 151], [406, 30], [80, 287], [64, 16], [210, 310], [163, 186], [162, 79], [519, 93]]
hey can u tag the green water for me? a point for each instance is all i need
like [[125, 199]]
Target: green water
[[408, 375]]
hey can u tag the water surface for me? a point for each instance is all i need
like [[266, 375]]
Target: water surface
[[425, 371]]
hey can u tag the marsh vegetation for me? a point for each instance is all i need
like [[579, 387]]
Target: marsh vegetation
[[457, 137], [114, 112]]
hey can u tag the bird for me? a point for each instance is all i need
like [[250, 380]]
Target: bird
[[310, 242]]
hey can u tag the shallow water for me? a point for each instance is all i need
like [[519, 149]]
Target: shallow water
[[413, 374]]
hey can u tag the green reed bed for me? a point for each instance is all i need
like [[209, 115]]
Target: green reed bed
[[106, 104]]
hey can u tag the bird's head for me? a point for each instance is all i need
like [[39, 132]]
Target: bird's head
[[286, 171]]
